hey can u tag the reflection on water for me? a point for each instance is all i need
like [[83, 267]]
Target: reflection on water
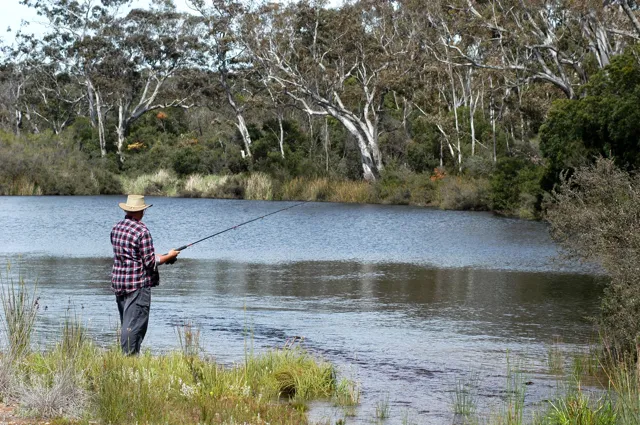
[[80, 227], [404, 300], [403, 330]]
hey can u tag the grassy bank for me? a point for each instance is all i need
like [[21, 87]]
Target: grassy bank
[[75, 381], [451, 193]]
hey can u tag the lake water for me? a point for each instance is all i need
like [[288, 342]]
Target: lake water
[[404, 300]]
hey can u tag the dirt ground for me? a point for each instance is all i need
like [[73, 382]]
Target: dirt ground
[[8, 417]]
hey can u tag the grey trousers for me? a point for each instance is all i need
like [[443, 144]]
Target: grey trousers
[[134, 318]]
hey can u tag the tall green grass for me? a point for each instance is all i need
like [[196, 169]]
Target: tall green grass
[[20, 307], [464, 402], [75, 380]]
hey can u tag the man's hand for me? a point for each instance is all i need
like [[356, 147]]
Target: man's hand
[[170, 257]]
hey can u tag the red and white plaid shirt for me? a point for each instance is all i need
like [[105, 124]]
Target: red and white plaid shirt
[[134, 259]]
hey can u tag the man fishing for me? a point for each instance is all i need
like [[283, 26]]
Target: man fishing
[[134, 272]]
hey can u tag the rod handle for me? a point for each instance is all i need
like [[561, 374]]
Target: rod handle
[[173, 260]]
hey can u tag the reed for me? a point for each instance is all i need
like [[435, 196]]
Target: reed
[[20, 307], [162, 182], [347, 393], [465, 396], [516, 392], [624, 380], [382, 408], [189, 339], [581, 409], [197, 186], [352, 192], [23, 186], [259, 187], [305, 189], [555, 358]]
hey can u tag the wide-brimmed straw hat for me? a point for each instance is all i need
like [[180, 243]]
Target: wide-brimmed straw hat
[[134, 203]]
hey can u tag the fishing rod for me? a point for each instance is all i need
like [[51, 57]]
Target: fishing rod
[[235, 227]]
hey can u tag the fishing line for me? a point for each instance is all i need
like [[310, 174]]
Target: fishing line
[[236, 226]]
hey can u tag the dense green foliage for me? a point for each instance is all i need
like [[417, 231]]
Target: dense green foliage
[[605, 122]]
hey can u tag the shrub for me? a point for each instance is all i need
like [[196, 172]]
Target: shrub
[[392, 187], [458, 193], [186, 161], [594, 216], [515, 187], [604, 121], [62, 397]]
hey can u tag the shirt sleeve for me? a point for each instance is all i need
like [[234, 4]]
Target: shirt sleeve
[[147, 251]]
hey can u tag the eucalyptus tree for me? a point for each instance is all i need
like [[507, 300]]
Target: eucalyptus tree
[[52, 97], [543, 40], [224, 55], [12, 89], [73, 46], [150, 51], [331, 62]]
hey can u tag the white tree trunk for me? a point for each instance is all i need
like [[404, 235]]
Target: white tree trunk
[[368, 166], [492, 115], [241, 125], [454, 98], [326, 143], [100, 124], [121, 130], [281, 139]]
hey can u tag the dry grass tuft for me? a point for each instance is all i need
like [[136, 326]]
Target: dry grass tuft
[[61, 396], [162, 182], [352, 192], [259, 187]]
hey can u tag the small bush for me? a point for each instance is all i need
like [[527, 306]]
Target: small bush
[[594, 216], [458, 193], [63, 397], [392, 187], [516, 187]]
